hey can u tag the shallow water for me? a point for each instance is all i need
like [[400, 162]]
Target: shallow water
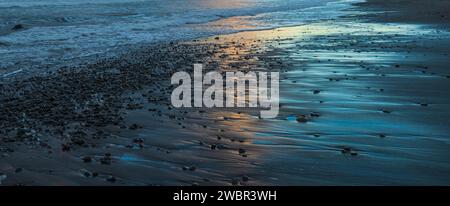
[[61, 32], [365, 103]]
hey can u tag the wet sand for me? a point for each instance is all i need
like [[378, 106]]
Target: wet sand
[[373, 96], [433, 13]]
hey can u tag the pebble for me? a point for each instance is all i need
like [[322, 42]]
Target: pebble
[[386, 111], [134, 106], [348, 150], [302, 118], [138, 141], [65, 147], [86, 173], [190, 168], [111, 179], [134, 127], [245, 178], [18, 27], [87, 159], [315, 114], [78, 141], [234, 182], [106, 160]]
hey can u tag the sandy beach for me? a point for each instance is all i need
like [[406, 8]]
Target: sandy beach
[[364, 101]]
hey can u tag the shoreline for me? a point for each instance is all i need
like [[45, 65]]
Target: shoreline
[[112, 123], [114, 52]]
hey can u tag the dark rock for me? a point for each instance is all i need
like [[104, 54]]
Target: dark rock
[[65, 147], [314, 114], [348, 150], [87, 159], [386, 111], [106, 160], [86, 173], [235, 182], [134, 106], [138, 141], [78, 141], [245, 178], [111, 179], [135, 127], [302, 118], [18, 27]]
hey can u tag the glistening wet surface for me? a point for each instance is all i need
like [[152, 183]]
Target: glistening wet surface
[[353, 113], [361, 104]]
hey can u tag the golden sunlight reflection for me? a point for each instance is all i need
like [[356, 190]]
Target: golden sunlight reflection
[[228, 4], [245, 51]]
